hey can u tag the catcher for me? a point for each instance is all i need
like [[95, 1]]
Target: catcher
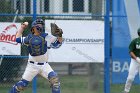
[[38, 43]]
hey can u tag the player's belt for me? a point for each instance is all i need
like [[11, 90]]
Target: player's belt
[[38, 63]]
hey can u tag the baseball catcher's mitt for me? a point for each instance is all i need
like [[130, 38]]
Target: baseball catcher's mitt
[[55, 30]]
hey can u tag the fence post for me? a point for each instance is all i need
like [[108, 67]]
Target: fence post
[[34, 84], [107, 49]]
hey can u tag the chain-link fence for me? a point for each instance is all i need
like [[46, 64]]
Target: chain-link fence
[[78, 76], [75, 77]]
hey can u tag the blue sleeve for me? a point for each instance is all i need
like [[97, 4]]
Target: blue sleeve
[[20, 40], [56, 44]]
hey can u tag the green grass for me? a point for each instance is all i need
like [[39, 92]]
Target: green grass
[[71, 84], [118, 88]]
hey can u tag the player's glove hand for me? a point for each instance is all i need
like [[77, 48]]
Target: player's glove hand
[[138, 60], [55, 30]]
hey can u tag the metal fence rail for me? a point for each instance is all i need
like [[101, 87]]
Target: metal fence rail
[[12, 67]]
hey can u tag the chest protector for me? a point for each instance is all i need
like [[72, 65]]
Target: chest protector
[[37, 45]]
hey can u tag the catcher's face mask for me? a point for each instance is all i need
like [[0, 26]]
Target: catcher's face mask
[[36, 30]]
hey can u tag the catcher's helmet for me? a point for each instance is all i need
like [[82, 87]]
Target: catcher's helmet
[[36, 22], [40, 21], [138, 31]]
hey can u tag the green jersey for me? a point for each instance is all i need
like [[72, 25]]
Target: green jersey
[[135, 46]]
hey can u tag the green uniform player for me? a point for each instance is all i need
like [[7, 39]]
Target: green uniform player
[[134, 50]]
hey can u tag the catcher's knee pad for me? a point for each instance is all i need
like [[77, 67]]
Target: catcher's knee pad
[[19, 86], [55, 83]]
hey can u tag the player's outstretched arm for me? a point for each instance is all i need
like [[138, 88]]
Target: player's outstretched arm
[[21, 29]]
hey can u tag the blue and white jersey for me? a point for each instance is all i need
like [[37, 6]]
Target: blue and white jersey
[[38, 46]]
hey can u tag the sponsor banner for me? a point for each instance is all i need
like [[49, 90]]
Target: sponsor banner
[[8, 46], [83, 41], [120, 70], [124, 30]]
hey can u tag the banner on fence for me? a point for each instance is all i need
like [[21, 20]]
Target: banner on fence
[[124, 30], [8, 46], [83, 41]]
